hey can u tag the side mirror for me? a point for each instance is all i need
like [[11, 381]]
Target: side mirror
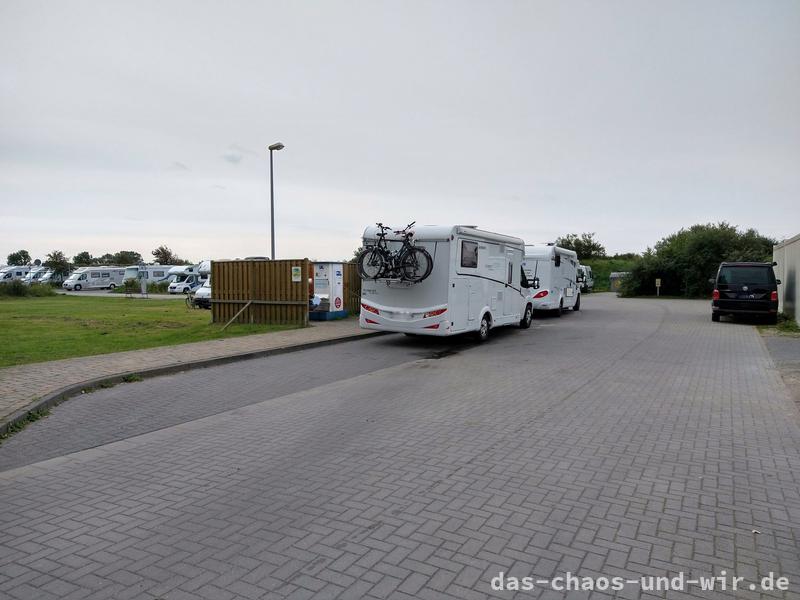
[[778, 281], [536, 283], [579, 279]]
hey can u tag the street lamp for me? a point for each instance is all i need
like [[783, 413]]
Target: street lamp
[[272, 148]]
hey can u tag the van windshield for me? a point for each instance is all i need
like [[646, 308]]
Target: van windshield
[[746, 276]]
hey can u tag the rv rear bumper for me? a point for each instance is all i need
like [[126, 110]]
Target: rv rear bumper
[[431, 326]]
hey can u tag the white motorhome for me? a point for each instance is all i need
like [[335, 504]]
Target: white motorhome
[[187, 279], [11, 273], [50, 277], [586, 277], [94, 278], [153, 273], [554, 273], [35, 275], [476, 284]]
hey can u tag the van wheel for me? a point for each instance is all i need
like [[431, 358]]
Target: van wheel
[[772, 320], [526, 318], [77, 287], [577, 303], [483, 332], [112, 286], [715, 317]]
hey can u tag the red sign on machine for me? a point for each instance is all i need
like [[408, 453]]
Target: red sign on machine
[[337, 303]]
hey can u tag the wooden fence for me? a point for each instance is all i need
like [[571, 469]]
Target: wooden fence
[[260, 291], [352, 288]]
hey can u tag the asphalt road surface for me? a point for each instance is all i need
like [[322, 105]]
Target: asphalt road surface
[[632, 438]]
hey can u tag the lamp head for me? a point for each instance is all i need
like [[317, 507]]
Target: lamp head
[[276, 146]]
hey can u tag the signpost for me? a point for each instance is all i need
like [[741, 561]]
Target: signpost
[[658, 286]]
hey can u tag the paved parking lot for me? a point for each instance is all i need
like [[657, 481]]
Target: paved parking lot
[[633, 438]]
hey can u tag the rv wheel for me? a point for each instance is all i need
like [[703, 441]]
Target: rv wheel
[[526, 318], [560, 308], [77, 288], [483, 332], [112, 286], [577, 303]]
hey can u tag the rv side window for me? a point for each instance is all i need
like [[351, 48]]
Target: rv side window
[[510, 272], [106, 275], [158, 273], [94, 274], [558, 260], [469, 254]]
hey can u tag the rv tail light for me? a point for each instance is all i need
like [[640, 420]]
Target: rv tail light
[[370, 321], [774, 296], [541, 294], [432, 326], [371, 309], [434, 313], [715, 295]]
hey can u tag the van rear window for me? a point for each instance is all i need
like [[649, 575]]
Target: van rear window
[[746, 275]]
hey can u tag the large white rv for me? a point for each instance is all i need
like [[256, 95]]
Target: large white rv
[[153, 273], [12, 272], [476, 284], [555, 271], [94, 278]]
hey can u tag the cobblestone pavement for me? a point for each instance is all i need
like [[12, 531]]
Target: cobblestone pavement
[[635, 437], [21, 385]]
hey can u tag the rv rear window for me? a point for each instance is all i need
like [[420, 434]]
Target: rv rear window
[[469, 254]]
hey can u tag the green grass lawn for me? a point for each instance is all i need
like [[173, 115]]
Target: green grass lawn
[[40, 329]]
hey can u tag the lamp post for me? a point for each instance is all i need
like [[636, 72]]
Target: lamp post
[[272, 148]]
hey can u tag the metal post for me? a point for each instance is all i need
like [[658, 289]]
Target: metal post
[[271, 207]]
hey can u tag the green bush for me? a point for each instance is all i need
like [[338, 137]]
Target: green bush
[[603, 267], [17, 289], [132, 286], [684, 261]]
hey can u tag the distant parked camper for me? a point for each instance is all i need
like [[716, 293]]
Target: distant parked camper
[[556, 271], [587, 283], [95, 278], [35, 275], [475, 284], [187, 279], [153, 273], [50, 278], [12, 273]]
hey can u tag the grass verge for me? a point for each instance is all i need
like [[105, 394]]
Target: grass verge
[[41, 329], [786, 326]]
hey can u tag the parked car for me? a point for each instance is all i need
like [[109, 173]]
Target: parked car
[[202, 297], [587, 283], [745, 288], [475, 284]]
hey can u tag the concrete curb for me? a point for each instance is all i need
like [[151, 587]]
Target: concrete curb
[[54, 398]]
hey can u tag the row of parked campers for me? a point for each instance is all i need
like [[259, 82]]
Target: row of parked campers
[[183, 278], [479, 280]]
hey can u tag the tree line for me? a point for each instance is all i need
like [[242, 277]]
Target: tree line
[[61, 265]]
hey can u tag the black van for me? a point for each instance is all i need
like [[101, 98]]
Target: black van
[[745, 288]]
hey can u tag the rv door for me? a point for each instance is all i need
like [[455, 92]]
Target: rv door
[[510, 294]]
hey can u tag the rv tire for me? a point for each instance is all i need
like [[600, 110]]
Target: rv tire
[[77, 287], [577, 303], [560, 308], [483, 331], [112, 286], [525, 323]]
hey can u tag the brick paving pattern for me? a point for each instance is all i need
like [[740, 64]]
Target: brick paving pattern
[[20, 385], [635, 437]]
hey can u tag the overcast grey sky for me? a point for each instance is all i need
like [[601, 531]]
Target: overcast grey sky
[[131, 124]]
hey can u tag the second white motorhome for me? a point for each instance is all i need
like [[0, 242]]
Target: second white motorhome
[[187, 279], [476, 283], [587, 277], [555, 270], [95, 278], [35, 275], [153, 273]]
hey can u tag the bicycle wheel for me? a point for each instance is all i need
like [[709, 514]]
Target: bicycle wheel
[[415, 264], [371, 263]]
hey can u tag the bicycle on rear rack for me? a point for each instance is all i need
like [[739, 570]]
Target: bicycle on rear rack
[[410, 263]]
